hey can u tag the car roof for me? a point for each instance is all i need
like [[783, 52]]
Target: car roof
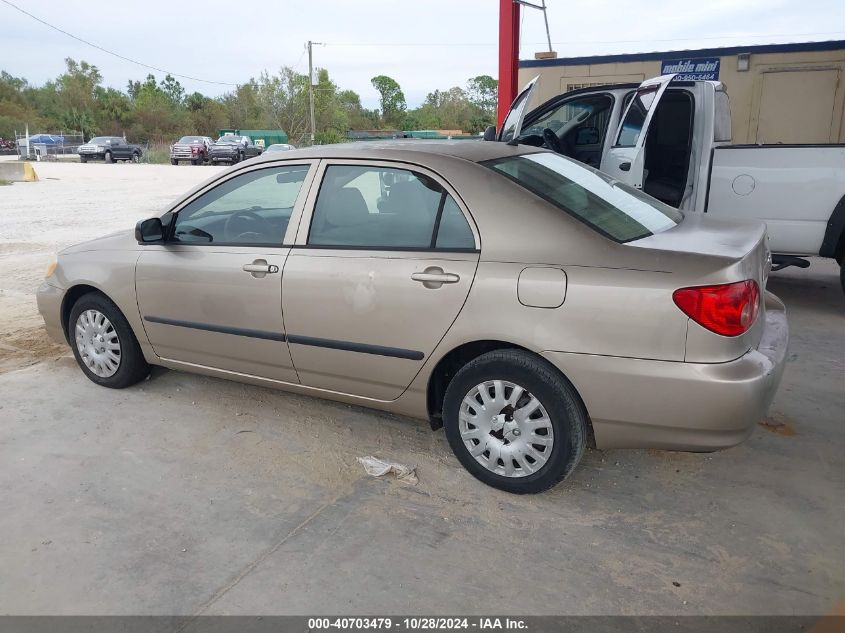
[[420, 151]]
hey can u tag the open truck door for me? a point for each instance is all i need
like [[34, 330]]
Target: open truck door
[[512, 125], [625, 160]]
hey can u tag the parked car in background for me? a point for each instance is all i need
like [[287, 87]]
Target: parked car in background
[[279, 147], [191, 148], [109, 149], [528, 303], [231, 148]]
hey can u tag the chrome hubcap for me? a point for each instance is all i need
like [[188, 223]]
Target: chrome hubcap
[[505, 428], [97, 343]]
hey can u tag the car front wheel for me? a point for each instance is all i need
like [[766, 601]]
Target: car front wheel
[[514, 422], [108, 158], [103, 343]]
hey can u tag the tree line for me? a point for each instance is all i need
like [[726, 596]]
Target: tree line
[[160, 110]]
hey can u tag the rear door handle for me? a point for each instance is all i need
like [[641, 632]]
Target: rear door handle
[[625, 166], [434, 277], [259, 268]]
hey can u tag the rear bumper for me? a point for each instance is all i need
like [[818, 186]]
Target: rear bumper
[[49, 300], [636, 403]]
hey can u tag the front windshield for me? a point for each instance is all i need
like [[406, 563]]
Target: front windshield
[[229, 139], [191, 139], [100, 140], [612, 208]]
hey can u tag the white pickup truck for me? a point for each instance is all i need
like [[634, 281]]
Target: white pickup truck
[[672, 139]]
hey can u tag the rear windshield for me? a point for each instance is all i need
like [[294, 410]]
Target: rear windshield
[[612, 208]]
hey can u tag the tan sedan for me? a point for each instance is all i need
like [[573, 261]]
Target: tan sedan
[[530, 305]]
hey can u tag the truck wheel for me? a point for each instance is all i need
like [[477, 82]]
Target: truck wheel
[[195, 161], [136, 157], [236, 158], [173, 161], [107, 157], [82, 159]]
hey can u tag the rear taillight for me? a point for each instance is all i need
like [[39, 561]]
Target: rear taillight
[[726, 309]]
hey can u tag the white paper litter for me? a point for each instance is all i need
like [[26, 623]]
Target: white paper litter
[[378, 468]]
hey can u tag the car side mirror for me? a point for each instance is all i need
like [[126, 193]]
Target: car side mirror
[[149, 231], [490, 133]]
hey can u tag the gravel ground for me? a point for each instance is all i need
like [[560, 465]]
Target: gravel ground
[[71, 203], [192, 495]]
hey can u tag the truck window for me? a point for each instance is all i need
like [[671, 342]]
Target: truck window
[[632, 125]]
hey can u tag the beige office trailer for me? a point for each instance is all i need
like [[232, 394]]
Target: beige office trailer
[[780, 93]]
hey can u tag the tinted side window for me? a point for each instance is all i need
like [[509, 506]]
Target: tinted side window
[[369, 206], [453, 232], [253, 208]]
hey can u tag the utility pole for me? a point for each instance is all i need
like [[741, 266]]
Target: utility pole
[[311, 88]]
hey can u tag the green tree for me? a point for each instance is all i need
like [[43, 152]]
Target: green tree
[[243, 107], [392, 98], [76, 104], [483, 92]]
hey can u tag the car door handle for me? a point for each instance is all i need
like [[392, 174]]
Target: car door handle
[[259, 268], [434, 277], [625, 166]]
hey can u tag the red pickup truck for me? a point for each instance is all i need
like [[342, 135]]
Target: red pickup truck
[[192, 148]]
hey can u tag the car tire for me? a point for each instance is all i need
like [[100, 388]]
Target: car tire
[[82, 159], [95, 320], [136, 157], [235, 158], [561, 417], [174, 161], [107, 157], [195, 161]]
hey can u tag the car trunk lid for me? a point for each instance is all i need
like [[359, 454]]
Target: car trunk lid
[[701, 251]]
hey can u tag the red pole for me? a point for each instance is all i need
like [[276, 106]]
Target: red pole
[[508, 55]]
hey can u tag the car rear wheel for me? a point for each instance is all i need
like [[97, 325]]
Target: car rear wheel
[[103, 343], [82, 159], [514, 422], [108, 158]]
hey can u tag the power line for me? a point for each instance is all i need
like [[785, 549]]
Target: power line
[[105, 50]]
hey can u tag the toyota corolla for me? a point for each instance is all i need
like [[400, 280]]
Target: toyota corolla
[[530, 305]]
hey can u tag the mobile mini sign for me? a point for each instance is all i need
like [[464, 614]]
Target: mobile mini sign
[[706, 68]]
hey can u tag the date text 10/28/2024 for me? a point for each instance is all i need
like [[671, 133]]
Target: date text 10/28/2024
[[416, 623]]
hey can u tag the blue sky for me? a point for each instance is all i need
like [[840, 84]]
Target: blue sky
[[422, 44]]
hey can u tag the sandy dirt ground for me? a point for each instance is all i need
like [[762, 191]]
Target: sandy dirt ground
[[71, 203], [193, 495]]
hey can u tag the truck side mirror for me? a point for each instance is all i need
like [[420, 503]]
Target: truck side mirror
[[149, 231], [490, 133]]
